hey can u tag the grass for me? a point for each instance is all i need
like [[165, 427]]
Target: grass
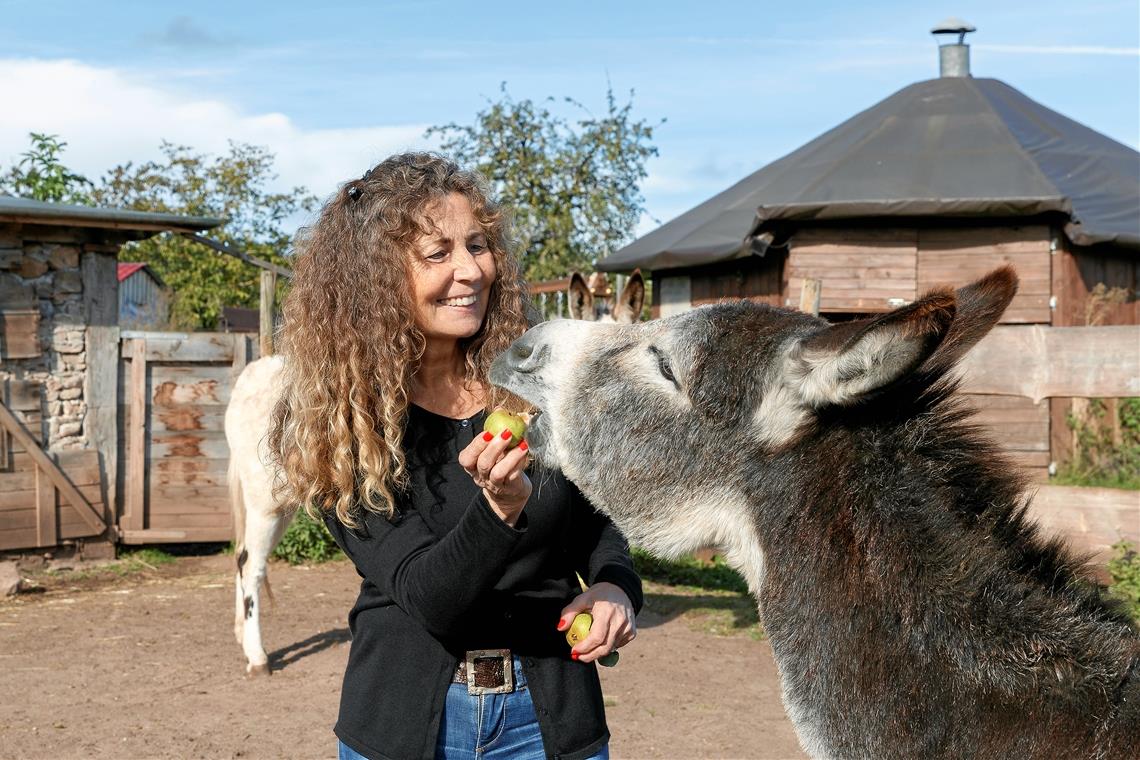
[[710, 597], [1124, 567]]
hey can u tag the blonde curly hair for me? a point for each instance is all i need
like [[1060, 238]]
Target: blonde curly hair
[[350, 343]]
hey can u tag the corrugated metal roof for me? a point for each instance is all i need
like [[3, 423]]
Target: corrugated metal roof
[[62, 214], [127, 268], [961, 147]]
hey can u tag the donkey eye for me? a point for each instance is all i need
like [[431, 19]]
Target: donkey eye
[[664, 367]]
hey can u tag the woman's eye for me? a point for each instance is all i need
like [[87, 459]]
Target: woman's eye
[[437, 256], [476, 248]]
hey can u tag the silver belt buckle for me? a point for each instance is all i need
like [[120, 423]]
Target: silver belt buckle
[[504, 656]]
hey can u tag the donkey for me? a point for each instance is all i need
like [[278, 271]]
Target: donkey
[[913, 608], [259, 521], [588, 302]]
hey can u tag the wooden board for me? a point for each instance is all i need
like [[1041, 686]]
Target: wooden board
[[860, 270], [1092, 518], [19, 333], [182, 347], [1040, 362]]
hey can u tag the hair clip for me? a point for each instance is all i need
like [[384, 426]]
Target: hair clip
[[354, 193]]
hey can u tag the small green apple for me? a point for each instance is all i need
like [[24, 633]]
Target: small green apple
[[579, 629], [500, 420]]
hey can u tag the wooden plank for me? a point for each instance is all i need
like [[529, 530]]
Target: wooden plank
[[187, 417], [57, 476], [23, 480], [188, 535], [23, 395], [182, 347], [188, 472], [101, 423], [266, 304], [205, 444], [167, 521], [175, 496], [15, 501], [46, 534], [1093, 518], [19, 331], [1029, 234], [241, 355], [134, 503], [1044, 362], [860, 235], [809, 296]]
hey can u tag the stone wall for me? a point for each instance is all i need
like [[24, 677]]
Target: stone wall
[[44, 326]]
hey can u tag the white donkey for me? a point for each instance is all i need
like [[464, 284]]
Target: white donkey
[[259, 521]]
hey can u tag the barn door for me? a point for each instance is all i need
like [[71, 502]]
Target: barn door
[[173, 392], [45, 498]]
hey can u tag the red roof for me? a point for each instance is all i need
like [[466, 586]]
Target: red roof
[[127, 268]]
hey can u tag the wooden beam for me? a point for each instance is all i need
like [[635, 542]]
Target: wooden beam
[[135, 496], [223, 248], [267, 302], [181, 347], [1046, 362], [809, 296], [241, 354], [45, 510], [45, 463], [1093, 518], [101, 422]]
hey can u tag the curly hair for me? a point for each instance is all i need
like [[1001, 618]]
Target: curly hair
[[350, 343]]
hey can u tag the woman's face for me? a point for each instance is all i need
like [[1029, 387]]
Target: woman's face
[[452, 272]]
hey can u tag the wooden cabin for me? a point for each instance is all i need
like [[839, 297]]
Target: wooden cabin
[[61, 417], [144, 299], [935, 185]]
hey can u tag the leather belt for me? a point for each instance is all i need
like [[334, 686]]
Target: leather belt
[[486, 671]]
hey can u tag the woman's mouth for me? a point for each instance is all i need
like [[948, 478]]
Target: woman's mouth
[[458, 302]]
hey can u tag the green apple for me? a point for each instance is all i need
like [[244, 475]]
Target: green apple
[[500, 420], [579, 629]]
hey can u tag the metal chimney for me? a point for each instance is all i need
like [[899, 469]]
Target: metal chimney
[[953, 57]]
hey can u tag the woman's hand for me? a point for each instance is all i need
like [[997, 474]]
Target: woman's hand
[[614, 624], [499, 472]]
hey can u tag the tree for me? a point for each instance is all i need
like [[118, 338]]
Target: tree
[[42, 176], [574, 187], [230, 187]]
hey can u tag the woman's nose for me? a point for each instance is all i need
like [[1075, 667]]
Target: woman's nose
[[466, 267]]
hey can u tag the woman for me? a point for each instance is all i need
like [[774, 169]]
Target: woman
[[404, 292]]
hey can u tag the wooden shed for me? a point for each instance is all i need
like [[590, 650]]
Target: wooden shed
[[935, 185], [144, 299], [66, 424]]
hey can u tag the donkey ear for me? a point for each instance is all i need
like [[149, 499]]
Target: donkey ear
[[979, 306], [844, 362], [581, 299], [632, 298]]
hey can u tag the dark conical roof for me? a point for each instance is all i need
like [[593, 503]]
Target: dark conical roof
[[958, 146]]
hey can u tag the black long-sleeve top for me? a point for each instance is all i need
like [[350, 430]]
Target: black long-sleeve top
[[447, 575]]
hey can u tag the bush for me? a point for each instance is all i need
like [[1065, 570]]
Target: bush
[[305, 541], [688, 571], [1108, 446], [1124, 567]]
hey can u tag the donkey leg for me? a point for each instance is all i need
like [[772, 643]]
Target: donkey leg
[[262, 532]]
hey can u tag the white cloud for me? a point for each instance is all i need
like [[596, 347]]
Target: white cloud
[[109, 117]]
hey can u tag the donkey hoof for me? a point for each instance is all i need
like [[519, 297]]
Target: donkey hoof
[[253, 671]]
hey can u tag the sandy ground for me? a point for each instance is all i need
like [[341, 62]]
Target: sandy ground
[[146, 666]]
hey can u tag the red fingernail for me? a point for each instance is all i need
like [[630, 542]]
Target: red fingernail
[[506, 436], [487, 437], [573, 655], [523, 446], [561, 624]]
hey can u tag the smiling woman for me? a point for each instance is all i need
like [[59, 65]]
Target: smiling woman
[[404, 292]]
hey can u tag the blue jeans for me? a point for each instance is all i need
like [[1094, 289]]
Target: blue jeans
[[488, 726]]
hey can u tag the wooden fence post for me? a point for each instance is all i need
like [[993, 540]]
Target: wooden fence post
[[268, 297], [809, 296]]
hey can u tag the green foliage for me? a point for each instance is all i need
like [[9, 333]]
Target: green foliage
[[1108, 449], [573, 186], [147, 557], [305, 541], [1124, 567], [689, 571], [42, 176], [230, 187]]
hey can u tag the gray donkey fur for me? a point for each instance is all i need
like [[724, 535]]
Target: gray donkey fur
[[913, 609]]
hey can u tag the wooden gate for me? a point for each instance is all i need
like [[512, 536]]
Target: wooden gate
[[173, 392], [44, 498]]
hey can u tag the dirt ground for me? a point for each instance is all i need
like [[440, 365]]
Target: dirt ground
[[146, 666]]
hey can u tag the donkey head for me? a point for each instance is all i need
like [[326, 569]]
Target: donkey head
[[664, 425], [588, 304]]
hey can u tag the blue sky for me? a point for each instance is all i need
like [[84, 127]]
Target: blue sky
[[332, 90]]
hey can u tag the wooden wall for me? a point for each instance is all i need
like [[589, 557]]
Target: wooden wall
[[173, 392]]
